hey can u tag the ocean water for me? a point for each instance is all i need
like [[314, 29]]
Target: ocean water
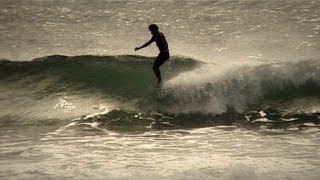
[[240, 98]]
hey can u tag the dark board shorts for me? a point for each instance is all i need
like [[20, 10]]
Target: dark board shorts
[[162, 57]]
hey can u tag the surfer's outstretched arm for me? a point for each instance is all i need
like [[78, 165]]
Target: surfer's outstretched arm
[[145, 45]]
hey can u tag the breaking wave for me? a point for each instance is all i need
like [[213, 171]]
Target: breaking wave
[[193, 90]]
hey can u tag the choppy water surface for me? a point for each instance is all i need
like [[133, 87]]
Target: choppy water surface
[[206, 153], [240, 98], [206, 30]]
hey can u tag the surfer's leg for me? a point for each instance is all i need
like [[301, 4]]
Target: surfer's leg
[[162, 57], [157, 72], [157, 63]]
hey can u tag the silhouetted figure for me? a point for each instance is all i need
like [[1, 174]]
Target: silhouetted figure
[[162, 44]]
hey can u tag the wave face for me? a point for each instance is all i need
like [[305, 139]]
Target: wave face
[[193, 94], [117, 76]]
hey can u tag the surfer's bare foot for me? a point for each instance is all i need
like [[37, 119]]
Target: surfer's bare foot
[[159, 84]]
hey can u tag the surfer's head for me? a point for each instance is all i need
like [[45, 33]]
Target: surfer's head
[[153, 28]]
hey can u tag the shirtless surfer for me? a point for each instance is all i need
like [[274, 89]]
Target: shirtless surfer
[[162, 44]]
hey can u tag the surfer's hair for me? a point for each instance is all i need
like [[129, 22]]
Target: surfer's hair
[[153, 27]]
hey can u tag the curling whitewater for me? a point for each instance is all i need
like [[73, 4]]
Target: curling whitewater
[[195, 94]]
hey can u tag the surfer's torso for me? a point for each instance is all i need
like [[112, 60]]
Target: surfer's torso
[[161, 42]]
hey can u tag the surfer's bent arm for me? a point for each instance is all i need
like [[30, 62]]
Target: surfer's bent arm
[[145, 45]]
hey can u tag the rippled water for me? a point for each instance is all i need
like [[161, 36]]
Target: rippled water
[[241, 43], [206, 153], [207, 30]]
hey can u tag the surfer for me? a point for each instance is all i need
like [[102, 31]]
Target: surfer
[[162, 44]]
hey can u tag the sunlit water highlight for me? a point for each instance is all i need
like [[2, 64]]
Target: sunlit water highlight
[[206, 153]]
